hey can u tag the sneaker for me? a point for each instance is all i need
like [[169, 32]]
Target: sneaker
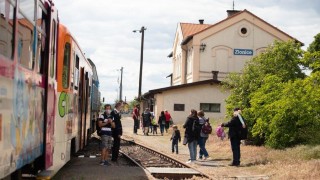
[[190, 162], [208, 158], [101, 163], [106, 163]]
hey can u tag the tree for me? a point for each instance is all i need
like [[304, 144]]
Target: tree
[[260, 85], [312, 57], [315, 45]]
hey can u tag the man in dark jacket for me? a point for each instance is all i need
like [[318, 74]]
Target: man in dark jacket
[[116, 132], [146, 118], [234, 134]]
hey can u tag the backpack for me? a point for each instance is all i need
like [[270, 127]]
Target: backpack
[[219, 131], [206, 129], [196, 128]]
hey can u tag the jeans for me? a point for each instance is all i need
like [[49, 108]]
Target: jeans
[[193, 149], [161, 128], [235, 146], [202, 145], [175, 144]]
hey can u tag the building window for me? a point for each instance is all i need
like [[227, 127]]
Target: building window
[[244, 30], [178, 107], [210, 107]]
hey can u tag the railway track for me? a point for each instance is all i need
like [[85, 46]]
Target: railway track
[[158, 164]]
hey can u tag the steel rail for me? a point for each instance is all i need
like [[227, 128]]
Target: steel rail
[[165, 157]]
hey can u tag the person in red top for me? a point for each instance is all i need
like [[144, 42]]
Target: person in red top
[[135, 116], [168, 118]]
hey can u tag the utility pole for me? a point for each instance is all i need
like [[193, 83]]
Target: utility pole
[[141, 59], [120, 96]]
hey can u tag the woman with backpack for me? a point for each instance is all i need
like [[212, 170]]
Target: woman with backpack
[[204, 134], [192, 134]]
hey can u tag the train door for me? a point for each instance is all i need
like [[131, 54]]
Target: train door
[[51, 86], [80, 110], [83, 106]]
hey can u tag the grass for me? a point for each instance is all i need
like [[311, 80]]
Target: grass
[[300, 162]]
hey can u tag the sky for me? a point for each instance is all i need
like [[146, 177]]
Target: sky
[[104, 31]]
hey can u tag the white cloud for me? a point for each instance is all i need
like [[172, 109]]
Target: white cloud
[[103, 28]]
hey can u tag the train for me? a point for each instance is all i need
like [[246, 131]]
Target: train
[[49, 91]]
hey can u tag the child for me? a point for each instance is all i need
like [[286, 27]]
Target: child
[[175, 138], [154, 126]]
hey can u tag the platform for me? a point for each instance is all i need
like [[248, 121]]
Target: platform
[[208, 163], [157, 170]]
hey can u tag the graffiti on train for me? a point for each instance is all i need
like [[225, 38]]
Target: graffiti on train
[[63, 104], [26, 125]]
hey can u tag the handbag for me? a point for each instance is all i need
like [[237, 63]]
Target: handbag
[[171, 121]]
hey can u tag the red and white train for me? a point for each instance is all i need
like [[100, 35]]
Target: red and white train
[[48, 90]]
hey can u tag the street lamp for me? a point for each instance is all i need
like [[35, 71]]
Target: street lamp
[[141, 58]]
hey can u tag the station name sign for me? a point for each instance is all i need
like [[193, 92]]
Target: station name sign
[[245, 52]]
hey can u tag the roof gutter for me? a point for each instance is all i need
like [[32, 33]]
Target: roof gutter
[[186, 40]]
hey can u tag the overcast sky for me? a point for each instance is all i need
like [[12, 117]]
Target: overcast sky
[[103, 28]]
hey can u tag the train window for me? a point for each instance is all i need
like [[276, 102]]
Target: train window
[[26, 34], [41, 42], [6, 28], [76, 73], [53, 49], [66, 66], [27, 9]]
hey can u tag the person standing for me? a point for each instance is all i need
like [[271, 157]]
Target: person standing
[[175, 138], [168, 118], [234, 126], [135, 116], [203, 137], [146, 117], [116, 132], [191, 135], [154, 125], [162, 122], [106, 123]]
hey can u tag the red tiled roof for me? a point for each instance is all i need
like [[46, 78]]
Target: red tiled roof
[[190, 29]]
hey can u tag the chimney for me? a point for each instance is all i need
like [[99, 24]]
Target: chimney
[[201, 21], [215, 75], [232, 12]]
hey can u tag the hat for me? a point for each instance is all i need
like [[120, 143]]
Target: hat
[[236, 109]]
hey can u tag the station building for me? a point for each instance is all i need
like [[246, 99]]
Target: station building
[[203, 55]]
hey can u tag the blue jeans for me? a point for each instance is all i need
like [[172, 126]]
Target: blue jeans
[[202, 145], [193, 149], [175, 144], [161, 128]]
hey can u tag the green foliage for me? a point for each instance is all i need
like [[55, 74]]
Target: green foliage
[[315, 45], [281, 104], [311, 58]]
